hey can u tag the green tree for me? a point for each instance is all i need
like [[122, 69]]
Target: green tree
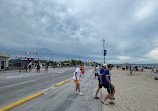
[[64, 62], [73, 62]]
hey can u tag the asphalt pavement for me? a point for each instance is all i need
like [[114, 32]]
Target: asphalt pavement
[[15, 86], [63, 98]]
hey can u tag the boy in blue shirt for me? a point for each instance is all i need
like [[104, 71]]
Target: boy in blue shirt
[[102, 71], [107, 84]]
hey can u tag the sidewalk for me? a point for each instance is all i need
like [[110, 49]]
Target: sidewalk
[[63, 98]]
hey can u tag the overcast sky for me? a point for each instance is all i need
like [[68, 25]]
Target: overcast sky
[[65, 29]]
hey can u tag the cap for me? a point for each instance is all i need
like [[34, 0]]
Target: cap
[[110, 65], [104, 65]]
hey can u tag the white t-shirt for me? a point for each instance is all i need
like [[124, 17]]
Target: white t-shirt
[[78, 74], [97, 70]]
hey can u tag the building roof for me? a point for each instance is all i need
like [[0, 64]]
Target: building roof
[[127, 63], [5, 55]]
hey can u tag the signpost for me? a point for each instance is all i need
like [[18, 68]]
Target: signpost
[[105, 52]]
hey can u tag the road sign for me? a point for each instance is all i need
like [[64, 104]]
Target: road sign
[[105, 52]]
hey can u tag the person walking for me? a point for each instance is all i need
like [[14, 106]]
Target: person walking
[[38, 68], [46, 67], [102, 71], [131, 70], [107, 84], [20, 67], [136, 68], [152, 69], [76, 78], [29, 67], [96, 71], [26, 67], [82, 69]]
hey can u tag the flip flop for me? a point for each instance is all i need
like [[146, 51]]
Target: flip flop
[[105, 103], [96, 97], [111, 102], [113, 98]]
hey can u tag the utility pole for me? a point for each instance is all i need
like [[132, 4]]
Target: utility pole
[[103, 49]]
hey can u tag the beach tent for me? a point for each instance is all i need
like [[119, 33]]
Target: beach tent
[[126, 66]]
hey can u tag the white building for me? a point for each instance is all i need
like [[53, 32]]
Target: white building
[[4, 61]]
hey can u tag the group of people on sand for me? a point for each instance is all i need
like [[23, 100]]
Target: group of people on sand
[[156, 71], [104, 80]]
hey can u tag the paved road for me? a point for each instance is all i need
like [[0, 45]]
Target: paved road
[[13, 88], [63, 98]]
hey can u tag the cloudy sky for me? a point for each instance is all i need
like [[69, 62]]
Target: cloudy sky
[[65, 29]]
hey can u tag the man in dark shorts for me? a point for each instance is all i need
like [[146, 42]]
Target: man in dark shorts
[[107, 84], [38, 68], [131, 70], [102, 71], [29, 67]]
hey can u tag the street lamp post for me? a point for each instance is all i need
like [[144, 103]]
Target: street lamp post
[[103, 49]]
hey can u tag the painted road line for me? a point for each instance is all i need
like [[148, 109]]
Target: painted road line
[[20, 83], [48, 89], [56, 85], [11, 106], [25, 82], [60, 72]]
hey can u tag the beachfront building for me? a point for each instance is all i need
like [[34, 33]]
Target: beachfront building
[[90, 63], [4, 61], [22, 61]]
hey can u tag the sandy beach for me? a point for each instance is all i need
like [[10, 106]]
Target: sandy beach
[[134, 93]]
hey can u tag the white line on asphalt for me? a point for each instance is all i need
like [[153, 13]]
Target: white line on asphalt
[[49, 89], [19, 83], [59, 72], [25, 82], [28, 75]]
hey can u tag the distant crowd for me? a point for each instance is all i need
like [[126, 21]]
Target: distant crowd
[[28, 67]]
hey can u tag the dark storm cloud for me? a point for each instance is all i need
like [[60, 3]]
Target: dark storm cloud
[[75, 29]]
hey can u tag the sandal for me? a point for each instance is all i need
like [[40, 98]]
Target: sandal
[[111, 102], [113, 98], [104, 103], [96, 97]]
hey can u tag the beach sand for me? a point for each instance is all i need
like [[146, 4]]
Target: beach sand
[[133, 93]]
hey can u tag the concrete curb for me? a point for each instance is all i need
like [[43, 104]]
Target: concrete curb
[[63, 82], [11, 106]]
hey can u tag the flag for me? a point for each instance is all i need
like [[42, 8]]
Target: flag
[[35, 54], [28, 52]]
